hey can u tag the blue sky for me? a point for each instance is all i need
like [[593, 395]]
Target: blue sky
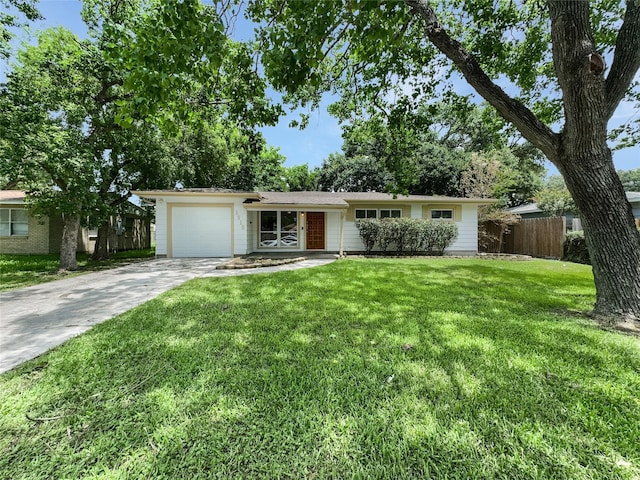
[[323, 134]]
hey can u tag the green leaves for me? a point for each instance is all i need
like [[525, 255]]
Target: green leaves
[[11, 17], [175, 56]]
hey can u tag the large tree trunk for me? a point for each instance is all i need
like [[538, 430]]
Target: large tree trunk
[[69, 245], [610, 232], [101, 249], [580, 151], [586, 164]]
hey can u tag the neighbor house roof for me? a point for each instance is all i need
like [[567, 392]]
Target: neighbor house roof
[[633, 197], [524, 209], [12, 196]]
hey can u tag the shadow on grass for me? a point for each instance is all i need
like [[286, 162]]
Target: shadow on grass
[[303, 374], [19, 271]]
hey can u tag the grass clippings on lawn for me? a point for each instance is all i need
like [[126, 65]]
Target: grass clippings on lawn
[[359, 369]]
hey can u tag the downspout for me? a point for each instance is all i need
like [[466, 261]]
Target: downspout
[[342, 219]]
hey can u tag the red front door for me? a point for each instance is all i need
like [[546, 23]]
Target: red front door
[[315, 230]]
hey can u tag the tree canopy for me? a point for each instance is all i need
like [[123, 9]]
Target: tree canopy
[[566, 63], [15, 14], [87, 121]]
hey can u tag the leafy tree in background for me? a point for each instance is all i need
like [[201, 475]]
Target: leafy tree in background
[[362, 173], [86, 120], [124, 160], [45, 131], [211, 153], [300, 179], [630, 179], [554, 199], [268, 170], [431, 153], [548, 53]]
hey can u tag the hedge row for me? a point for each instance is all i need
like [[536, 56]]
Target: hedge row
[[407, 235]]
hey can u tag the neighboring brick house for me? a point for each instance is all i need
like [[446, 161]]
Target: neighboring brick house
[[23, 233]]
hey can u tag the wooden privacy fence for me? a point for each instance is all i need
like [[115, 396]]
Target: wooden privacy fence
[[538, 237]]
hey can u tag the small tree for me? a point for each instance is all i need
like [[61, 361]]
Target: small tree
[[503, 219]]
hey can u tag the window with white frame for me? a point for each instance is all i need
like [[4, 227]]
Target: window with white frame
[[442, 214], [278, 229], [14, 222], [390, 213], [362, 213], [366, 213]]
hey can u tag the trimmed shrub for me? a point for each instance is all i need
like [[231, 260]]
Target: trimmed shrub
[[412, 239], [386, 233], [575, 248], [408, 235], [443, 236], [368, 229]]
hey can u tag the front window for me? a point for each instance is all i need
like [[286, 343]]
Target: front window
[[366, 213], [288, 229], [268, 229], [442, 214], [390, 213], [14, 222], [278, 229]]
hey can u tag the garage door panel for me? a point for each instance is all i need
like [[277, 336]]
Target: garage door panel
[[201, 231]]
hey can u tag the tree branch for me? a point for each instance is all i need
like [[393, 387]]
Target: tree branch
[[102, 97], [626, 60], [510, 109]]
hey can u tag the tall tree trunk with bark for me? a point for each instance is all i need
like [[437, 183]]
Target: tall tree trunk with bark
[[69, 245], [584, 158], [101, 249], [610, 232], [580, 150]]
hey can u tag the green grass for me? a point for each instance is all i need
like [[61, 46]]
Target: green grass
[[287, 375], [17, 271]]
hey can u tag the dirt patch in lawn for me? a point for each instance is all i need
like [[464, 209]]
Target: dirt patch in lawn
[[257, 262]]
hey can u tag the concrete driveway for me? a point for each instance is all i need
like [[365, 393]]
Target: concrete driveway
[[38, 318]]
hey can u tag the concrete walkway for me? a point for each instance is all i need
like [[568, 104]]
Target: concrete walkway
[[38, 318]]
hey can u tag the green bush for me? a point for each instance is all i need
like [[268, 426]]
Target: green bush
[[407, 235], [386, 233], [368, 229], [444, 235], [575, 248]]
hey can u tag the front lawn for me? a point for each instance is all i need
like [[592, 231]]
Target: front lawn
[[18, 271], [387, 369]]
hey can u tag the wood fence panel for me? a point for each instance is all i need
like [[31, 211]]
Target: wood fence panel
[[489, 238], [538, 237]]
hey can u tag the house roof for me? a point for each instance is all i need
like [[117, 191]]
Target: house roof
[[343, 199], [207, 192], [302, 198], [12, 196], [312, 199]]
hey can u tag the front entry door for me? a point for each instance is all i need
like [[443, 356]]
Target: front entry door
[[315, 230]]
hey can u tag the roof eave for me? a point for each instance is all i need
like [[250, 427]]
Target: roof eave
[[293, 206], [175, 193]]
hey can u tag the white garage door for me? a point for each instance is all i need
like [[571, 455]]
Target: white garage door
[[201, 231]]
